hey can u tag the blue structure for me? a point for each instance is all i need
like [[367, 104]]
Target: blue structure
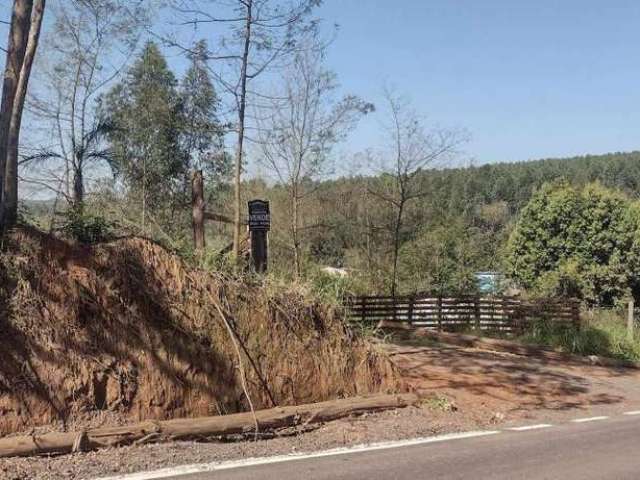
[[489, 283]]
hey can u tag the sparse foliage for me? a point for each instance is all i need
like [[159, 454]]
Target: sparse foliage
[[411, 148], [259, 35], [298, 130]]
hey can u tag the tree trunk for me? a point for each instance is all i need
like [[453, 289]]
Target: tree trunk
[[78, 188], [16, 47], [241, 118], [197, 210], [11, 171], [294, 232], [185, 428], [369, 233], [396, 248]]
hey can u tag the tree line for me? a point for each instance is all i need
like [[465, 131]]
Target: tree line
[[117, 132]]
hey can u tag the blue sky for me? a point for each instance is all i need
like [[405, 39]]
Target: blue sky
[[527, 79]]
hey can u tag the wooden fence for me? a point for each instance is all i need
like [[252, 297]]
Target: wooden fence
[[507, 314]]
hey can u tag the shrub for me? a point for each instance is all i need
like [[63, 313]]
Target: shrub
[[577, 241], [85, 227], [603, 334], [330, 288]]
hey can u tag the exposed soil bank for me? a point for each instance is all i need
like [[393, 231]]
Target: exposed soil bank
[[123, 331]]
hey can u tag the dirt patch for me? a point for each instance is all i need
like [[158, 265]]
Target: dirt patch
[[123, 331], [486, 384]]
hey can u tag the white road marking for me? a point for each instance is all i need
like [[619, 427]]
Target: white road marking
[[590, 419], [213, 466], [530, 427], [634, 412]]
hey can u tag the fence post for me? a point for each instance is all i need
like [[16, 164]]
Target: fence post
[[575, 306], [439, 308], [477, 311], [630, 321], [363, 301], [412, 302]]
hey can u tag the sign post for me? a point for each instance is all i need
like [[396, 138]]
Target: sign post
[[259, 224]]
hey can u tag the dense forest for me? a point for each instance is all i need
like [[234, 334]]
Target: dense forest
[[458, 227]]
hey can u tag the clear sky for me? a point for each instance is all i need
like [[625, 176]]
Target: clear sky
[[527, 79]]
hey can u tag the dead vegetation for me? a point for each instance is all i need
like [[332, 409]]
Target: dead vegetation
[[123, 331]]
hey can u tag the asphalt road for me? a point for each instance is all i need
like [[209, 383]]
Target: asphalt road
[[598, 450]]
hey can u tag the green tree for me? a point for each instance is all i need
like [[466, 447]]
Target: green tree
[[579, 241], [146, 113], [202, 132], [442, 260]]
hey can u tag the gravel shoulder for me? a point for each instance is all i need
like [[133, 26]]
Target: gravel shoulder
[[463, 389]]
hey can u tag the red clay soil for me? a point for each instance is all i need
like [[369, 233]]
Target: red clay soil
[[483, 383], [124, 331]]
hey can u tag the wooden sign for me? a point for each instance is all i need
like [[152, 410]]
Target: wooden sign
[[259, 224], [259, 216]]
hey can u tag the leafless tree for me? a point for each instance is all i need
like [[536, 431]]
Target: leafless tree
[[88, 46], [300, 126], [259, 34], [411, 149]]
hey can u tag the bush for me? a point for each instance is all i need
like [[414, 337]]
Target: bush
[[86, 227], [603, 334], [330, 288], [577, 241]]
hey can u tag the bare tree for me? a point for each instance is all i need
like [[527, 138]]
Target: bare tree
[[260, 33], [411, 148], [301, 125], [89, 44]]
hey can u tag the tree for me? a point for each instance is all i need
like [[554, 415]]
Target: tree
[[260, 33], [145, 112], [86, 49], [579, 241], [300, 127], [202, 132], [442, 260], [411, 148], [24, 33]]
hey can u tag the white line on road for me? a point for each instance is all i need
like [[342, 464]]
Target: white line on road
[[210, 467], [590, 419], [530, 427], [634, 412]]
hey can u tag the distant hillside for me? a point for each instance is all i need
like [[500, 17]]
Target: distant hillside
[[514, 182]]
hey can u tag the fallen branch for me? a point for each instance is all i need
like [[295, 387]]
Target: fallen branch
[[186, 428]]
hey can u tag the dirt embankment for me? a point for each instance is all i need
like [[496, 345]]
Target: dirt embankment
[[124, 331]]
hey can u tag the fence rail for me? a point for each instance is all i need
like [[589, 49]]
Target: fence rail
[[506, 314]]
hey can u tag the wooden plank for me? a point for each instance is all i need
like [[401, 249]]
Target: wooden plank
[[503, 313]]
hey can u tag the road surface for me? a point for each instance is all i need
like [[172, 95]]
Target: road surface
[[600, 448]]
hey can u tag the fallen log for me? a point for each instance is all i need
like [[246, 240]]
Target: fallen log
[[203, 427]]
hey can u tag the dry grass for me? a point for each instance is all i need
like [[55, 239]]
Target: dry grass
[[123, 331]]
